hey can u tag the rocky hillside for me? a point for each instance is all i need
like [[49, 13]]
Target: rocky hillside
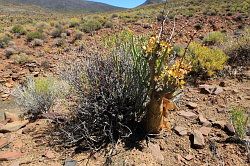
[[67, 5]]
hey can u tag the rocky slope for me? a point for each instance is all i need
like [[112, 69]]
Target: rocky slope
[[67, 5]]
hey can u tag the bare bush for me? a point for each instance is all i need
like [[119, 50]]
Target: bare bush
[[112, 91]]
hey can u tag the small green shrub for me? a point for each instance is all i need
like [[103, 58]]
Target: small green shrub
[[56, 32], [90, 26], [108, 24], [34, 35], [213, 38], [18, 29], [239, 120], [204, 60], [111, 41], [4, 40], [78, 36], [38, 95]]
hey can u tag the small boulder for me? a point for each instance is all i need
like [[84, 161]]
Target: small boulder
[[70, 163], [198, 141], [13, 126], [248, 131], [219, 124], [203, 121], [192, 105], [10, 155], [49, 154], [188, 114], [3, 142], [11, 116], [205, 130], [155, 151], [189, 157], [180, 158], [217, 90], [229, 129], [180, 130], [5, 95], [210, 89]]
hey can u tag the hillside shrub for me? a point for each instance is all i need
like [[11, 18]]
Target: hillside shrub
[[238, 49], [21, 58], [38, 95], [18, 29], [213, 38], [90, 26], [34, 35], [204, 60]]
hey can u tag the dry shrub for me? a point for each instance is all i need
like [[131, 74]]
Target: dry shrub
[[238, 49], [38, 95], [111, 91]]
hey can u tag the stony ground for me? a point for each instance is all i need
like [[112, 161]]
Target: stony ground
[[204, 116], [199, 132]]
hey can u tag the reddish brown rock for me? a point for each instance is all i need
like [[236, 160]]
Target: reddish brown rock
[[211, 89], [198, 141], [189, 157], [49, 154], [180, 130], [188, 114], [205, 130], [13, 126], [10, 155], [203, 121], [3, 142], [11, 116], [192, 105]]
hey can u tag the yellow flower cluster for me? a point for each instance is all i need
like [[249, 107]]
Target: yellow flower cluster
[[176, 73], [155, 46], [169, 75]]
